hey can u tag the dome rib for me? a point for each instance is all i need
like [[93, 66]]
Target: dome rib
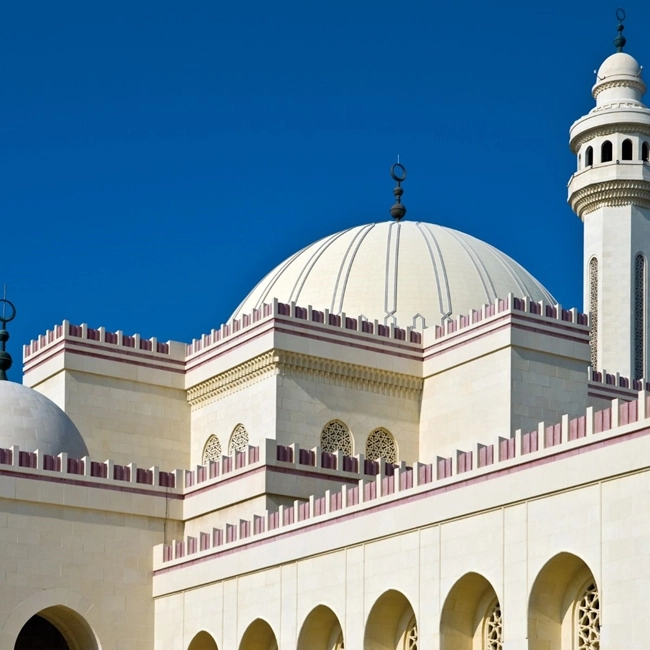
[[393, 272], [361, 235]]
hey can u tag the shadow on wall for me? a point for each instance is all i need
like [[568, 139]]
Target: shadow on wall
[[321, 631], [259, 636], [391, 624]]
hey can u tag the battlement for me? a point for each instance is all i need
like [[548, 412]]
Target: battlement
[[387, 482], [540, 309], [605, 385], [100, 335], [292, 311], [106, 472]]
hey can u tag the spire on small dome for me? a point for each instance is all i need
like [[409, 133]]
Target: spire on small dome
[[7, 313], [398, 172], [620, 40]]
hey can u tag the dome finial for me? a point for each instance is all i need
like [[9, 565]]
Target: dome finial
[[8, 313], [398, 172], [619, 41]]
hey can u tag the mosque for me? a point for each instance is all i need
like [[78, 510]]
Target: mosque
[[399, 440]]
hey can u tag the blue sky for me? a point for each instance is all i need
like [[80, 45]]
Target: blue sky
[[158, 158]]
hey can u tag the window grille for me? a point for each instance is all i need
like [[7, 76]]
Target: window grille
[[588, 620], [381, 443], [593, 311], [212, 449], [336, 436], [238, 439], [639, 316], [494, 629], [411, 636]]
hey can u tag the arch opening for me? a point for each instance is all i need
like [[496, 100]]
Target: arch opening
[[626, 151], [336, 436], [645, 152], [391, 624], [564, 606], [381, 444], [606, 151], [321, 631], [259, 636], [203, 641], [56, 628], [471, 616], [589, 157]]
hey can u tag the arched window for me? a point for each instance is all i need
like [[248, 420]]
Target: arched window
[[645, 152], [593, 311], [588, 619], [381, 444], [336, 436], [627, 150], [212, 450], [411, 635], [493, 630], [238, 439], [579, 161], [589, 157], [639, 316], [606, 151]]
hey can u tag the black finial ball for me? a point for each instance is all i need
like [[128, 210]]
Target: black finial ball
[[4, 336], [398, 211], [5, 361]]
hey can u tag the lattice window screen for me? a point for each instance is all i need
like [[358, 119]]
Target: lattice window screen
[[336, 436], [212, 449], [381, 443], [411, 636], [639, 316], [238, 439], [494, 629], [588, 620], [593, 311]]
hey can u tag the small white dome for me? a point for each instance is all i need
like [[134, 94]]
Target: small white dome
[[619, 64], [396, 269], [619, 80], [32, 421]]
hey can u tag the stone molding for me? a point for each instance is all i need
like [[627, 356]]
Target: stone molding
[[326, 371], [637, 84], [233, 380], [610, 194], [609, 129]]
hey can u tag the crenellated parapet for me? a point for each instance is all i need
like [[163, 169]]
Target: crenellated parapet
[[383, 483]]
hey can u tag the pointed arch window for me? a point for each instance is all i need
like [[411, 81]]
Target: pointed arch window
[[381, 444], [589, 157], [493, 630], [336, 437], [606, 152], [626, 150], [238, 439], [212, 450], [645, 152], [639, 316], [593, 311], [588, 619]]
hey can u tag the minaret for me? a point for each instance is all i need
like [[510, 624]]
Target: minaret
[[610, 192]]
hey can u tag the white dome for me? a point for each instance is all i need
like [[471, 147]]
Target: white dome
[[618, 64], [32, 421], [401, 269]]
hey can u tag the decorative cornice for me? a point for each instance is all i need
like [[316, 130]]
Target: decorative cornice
[[637, 84], [609, 129], [349, 375], [233, 380], [610, 194], [325, 371]]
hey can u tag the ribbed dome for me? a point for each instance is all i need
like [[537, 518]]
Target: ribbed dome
[[32, 421], [401, 269]]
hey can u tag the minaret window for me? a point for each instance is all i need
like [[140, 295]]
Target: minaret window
[[645, 152], [627, 150], [212, 450], [336, 436], [606, 152], [238, 439], [593, 311], [639, 316], [381, 444], [589, 157]]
